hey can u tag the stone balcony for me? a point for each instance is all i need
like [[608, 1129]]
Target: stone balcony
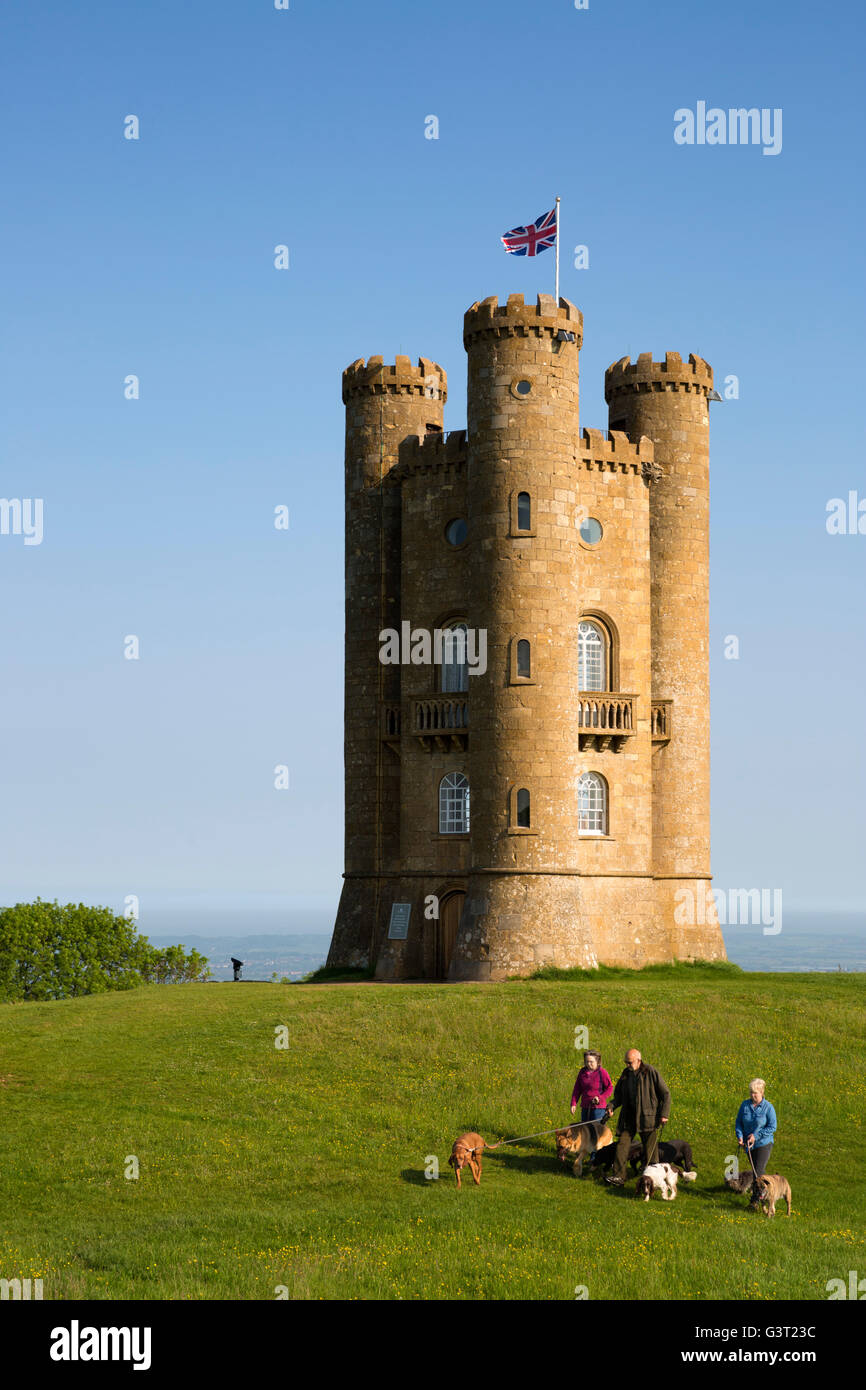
[[442, 722], [605, 719], [661, 720]]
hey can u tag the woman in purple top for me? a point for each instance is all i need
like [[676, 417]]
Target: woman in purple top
[[592, 1089]]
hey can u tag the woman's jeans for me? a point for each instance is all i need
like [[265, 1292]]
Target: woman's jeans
[[589, 1112], [760, 1158]]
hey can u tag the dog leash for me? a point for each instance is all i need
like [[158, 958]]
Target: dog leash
[[560, 1129]]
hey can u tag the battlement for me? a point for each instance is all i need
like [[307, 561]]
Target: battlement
[[673, 374], [403, 378], [431, 452], [616, 453], [615, 446], [518, 319]]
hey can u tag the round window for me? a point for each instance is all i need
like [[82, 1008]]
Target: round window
[[591, 531], [456, 531], [523, 388]]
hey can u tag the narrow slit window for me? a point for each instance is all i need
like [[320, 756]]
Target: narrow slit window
[[524, 511], [455, 671], [524, 662]]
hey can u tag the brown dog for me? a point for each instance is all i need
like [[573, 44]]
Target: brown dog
[[580, 1141], [468, 1149], [773, 1188]]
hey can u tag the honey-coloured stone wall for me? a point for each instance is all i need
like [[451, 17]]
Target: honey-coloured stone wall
[[514, 895]]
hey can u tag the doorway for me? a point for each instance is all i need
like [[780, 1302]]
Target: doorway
[[450, 909]]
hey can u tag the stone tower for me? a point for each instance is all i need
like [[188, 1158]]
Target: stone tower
[[669, 403], [384, 405], [527, 719]]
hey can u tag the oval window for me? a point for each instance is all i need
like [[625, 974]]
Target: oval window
[[591, 531], [523, 388], [456, 531]]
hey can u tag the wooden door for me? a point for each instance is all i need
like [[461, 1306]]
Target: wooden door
[[450, 909]]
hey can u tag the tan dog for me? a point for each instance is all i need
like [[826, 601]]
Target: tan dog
[[581, 1141], [468, 1149], [773, 1188]]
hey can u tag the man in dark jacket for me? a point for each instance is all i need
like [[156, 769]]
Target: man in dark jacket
[[646, 1105]]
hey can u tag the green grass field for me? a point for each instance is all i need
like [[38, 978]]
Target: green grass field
[[304, 1167]]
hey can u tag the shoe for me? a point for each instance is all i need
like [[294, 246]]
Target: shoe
[[615, 1182]]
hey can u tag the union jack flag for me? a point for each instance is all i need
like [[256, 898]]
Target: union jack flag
[[537, 237]]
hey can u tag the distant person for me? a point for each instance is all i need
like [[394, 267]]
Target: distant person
[[755, 1127], [592, 1089], [646, 1106]]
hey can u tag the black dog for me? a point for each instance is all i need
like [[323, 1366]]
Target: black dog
[[602, 1159], [674, 1151]]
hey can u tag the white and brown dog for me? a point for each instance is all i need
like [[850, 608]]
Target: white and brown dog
[[661, 1177]]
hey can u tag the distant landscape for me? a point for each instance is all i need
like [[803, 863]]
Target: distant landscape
[[807, 941], [263, 956]]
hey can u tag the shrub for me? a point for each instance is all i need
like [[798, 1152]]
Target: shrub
[[54, 951]]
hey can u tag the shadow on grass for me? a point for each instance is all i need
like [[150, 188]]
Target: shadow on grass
[[416, 1177], [334, 975], [526, 1163]]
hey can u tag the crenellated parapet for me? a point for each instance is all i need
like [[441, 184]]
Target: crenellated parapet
[[431, 453], [544, 318], [402, 378], [615, 452], [673, 374]]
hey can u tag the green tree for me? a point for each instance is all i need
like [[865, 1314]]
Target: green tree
[[58, 951]]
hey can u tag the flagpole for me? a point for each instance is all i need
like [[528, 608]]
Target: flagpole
[[557, 253]]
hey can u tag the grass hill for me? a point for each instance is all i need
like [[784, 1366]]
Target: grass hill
[[304, 1167]]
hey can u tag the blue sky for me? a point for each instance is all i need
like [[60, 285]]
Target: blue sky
[[155, 257]]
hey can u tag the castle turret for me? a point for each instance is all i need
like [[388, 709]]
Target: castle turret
[[384, 405], [523, 745], [669, 402]]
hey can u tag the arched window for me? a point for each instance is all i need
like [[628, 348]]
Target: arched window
[[592, 656], [591, 804], [454, 804], [523, 807], [524, 670], [521, 513], [455, 672]]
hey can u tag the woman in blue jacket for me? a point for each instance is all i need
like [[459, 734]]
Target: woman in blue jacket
[[755, 1127]]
